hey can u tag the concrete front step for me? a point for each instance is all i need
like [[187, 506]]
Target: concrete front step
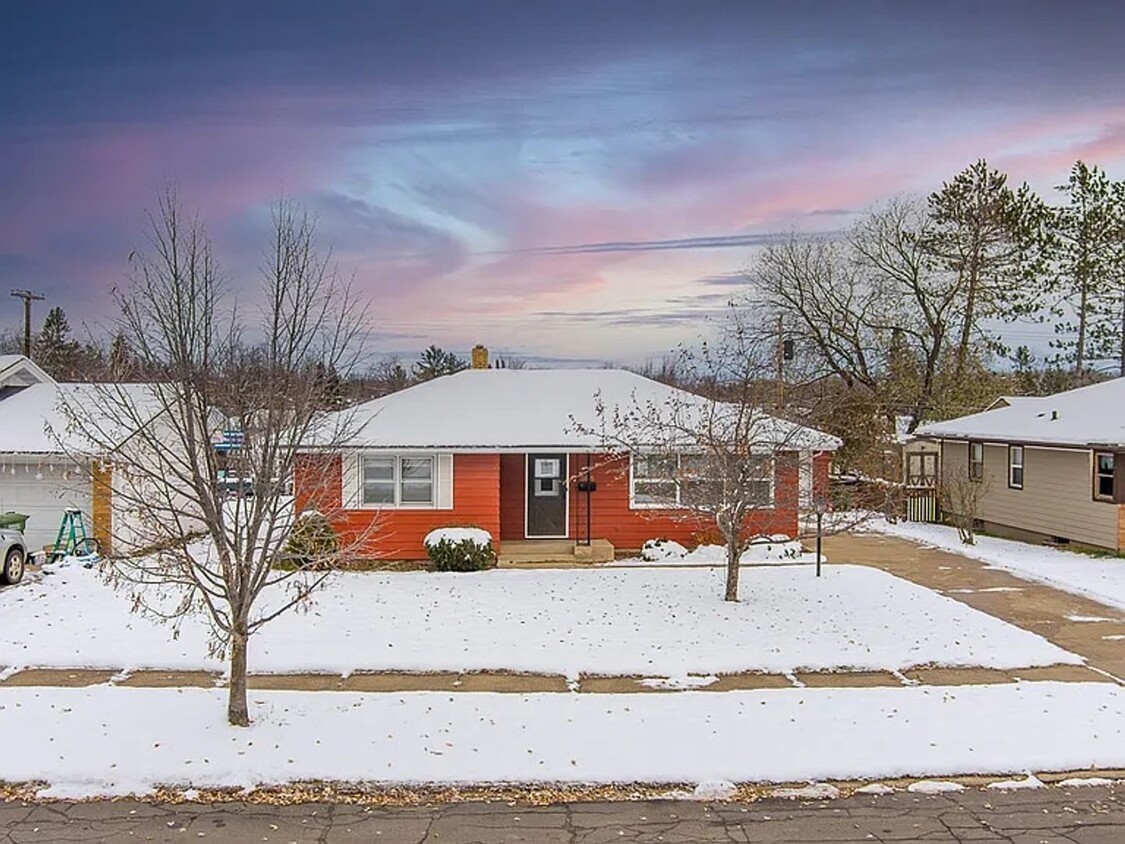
[[514, 554]]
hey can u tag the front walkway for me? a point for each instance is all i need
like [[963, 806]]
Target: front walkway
[[1080, 625]]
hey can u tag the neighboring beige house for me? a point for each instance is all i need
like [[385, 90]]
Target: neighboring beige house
[[1051, 468]]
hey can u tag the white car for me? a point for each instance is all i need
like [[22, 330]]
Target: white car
[[13, 556]]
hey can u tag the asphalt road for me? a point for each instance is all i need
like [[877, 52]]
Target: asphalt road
[[1089, 815]]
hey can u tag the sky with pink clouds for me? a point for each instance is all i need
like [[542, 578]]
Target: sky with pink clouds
[[567, 180]]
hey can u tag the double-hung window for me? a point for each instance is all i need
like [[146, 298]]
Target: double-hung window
[[397, 481], [976, 461], [654, 481], [691, 480], [1103, 475], [1015, 466]]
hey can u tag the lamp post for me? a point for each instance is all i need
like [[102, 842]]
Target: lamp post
[[820, 506]]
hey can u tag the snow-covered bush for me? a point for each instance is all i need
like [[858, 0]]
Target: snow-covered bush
[[655, 550], [777, 548], [313, 543], [460, 549]]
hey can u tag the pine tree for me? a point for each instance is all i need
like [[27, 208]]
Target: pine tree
[[54, 350], [122, 361], [436, 362], [987, 234], [1088, 268]]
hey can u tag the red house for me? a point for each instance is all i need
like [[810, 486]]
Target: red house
[[502, 449]]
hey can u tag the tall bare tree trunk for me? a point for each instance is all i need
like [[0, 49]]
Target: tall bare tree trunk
[[1080, 345], [1122, 348], [733, 555], [238, 713]]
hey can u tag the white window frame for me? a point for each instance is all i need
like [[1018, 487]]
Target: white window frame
[[677, 503], [976, 476], [1013, 465], [397, 482], [1098, 475]]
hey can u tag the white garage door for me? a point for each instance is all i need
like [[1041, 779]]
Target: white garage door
[[42, 491]]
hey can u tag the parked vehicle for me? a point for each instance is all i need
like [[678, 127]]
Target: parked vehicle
[[13, 554]]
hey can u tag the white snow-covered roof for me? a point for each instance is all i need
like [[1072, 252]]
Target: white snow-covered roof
[[33, 421], [1088, 416], [20, 371], [526, 409]]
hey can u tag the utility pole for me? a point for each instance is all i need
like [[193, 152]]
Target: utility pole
[[780, 364], [28, 297]]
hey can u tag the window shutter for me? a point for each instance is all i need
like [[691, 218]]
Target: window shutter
[[349, 478], [444, 497]]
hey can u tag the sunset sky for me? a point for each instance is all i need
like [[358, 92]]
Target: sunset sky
[[572, 180]]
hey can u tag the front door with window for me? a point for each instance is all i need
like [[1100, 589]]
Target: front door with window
[[546, 496]]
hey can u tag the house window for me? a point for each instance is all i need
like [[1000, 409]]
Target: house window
[[398, 481], [1103, 475], [686, 481], [1015, 466], [976, 461], [654, 481]]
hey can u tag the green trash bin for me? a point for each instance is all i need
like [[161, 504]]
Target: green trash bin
[[11, 520]]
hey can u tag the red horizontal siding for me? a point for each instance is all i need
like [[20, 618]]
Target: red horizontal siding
[[398, 534], [489, 492], [612, 518], [513, 494]]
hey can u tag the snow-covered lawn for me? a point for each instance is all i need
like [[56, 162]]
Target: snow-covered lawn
[[1100, 578], [645, 621], [103, 740]]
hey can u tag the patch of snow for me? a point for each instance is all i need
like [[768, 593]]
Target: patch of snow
[[1085, 782], [763, 549], [1101, 579], [688, 681], [1115, 638], [714, 790], [934, 787], [10, 671], [989, 589], [478, 536], [876, 788], [812, 791], [1030, 781], [104, 740], [1091, 619], [648, 622]]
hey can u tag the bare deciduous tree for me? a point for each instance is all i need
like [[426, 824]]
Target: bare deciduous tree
[[961, 498], [871, 308], [717, 461], [199, 528]]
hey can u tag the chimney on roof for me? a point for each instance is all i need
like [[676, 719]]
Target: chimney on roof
[[479, 357]]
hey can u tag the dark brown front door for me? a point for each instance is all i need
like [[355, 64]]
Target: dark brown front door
[[546, 496]]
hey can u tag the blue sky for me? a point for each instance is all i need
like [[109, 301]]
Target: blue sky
[[568, 180]]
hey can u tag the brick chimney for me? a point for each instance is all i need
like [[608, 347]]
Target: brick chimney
[[479, 357]]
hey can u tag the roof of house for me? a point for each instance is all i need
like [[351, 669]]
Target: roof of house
[[1085, 417], [20, 371], [509, 409], [33, 419]]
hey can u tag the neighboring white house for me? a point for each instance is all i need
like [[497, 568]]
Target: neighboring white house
[[36, 476], [1051, 467], [44, 469]]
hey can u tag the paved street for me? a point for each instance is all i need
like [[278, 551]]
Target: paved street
[[1092, 815]]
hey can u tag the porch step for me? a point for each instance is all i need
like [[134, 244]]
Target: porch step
[[552, 552]]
